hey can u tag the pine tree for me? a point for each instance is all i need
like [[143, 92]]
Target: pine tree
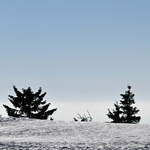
[[129, 111], [115, 114], [29, 104], [125, 112]]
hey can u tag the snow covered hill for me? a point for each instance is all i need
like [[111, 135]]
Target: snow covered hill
[[23, 134]]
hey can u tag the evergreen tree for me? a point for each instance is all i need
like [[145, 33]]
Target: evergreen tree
[[115, 114], [125, 112], [29, 104], [129, 111]]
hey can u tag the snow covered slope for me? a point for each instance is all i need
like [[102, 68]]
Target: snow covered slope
[[23, 134]]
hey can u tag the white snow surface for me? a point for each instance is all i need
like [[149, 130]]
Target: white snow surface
[[34, 134]]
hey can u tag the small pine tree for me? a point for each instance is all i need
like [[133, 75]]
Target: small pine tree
[[29, 104], [115, 114], [129, 111], [125, 112]]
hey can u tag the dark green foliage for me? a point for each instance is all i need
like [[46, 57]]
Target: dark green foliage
[[115, 115], [125, 112], [29, 104]]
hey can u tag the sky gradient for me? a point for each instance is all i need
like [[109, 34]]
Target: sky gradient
[[82, 53]]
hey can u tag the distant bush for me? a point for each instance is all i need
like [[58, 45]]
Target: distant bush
[[29, 104], [84, 118]]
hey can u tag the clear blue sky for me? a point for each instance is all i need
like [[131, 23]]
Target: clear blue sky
[[82, 53]]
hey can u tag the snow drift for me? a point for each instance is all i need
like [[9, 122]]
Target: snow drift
[[21, 133]]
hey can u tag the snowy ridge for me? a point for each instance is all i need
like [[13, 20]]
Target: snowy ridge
[[16, 133]]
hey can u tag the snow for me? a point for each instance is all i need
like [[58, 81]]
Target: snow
[[34, 134]]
